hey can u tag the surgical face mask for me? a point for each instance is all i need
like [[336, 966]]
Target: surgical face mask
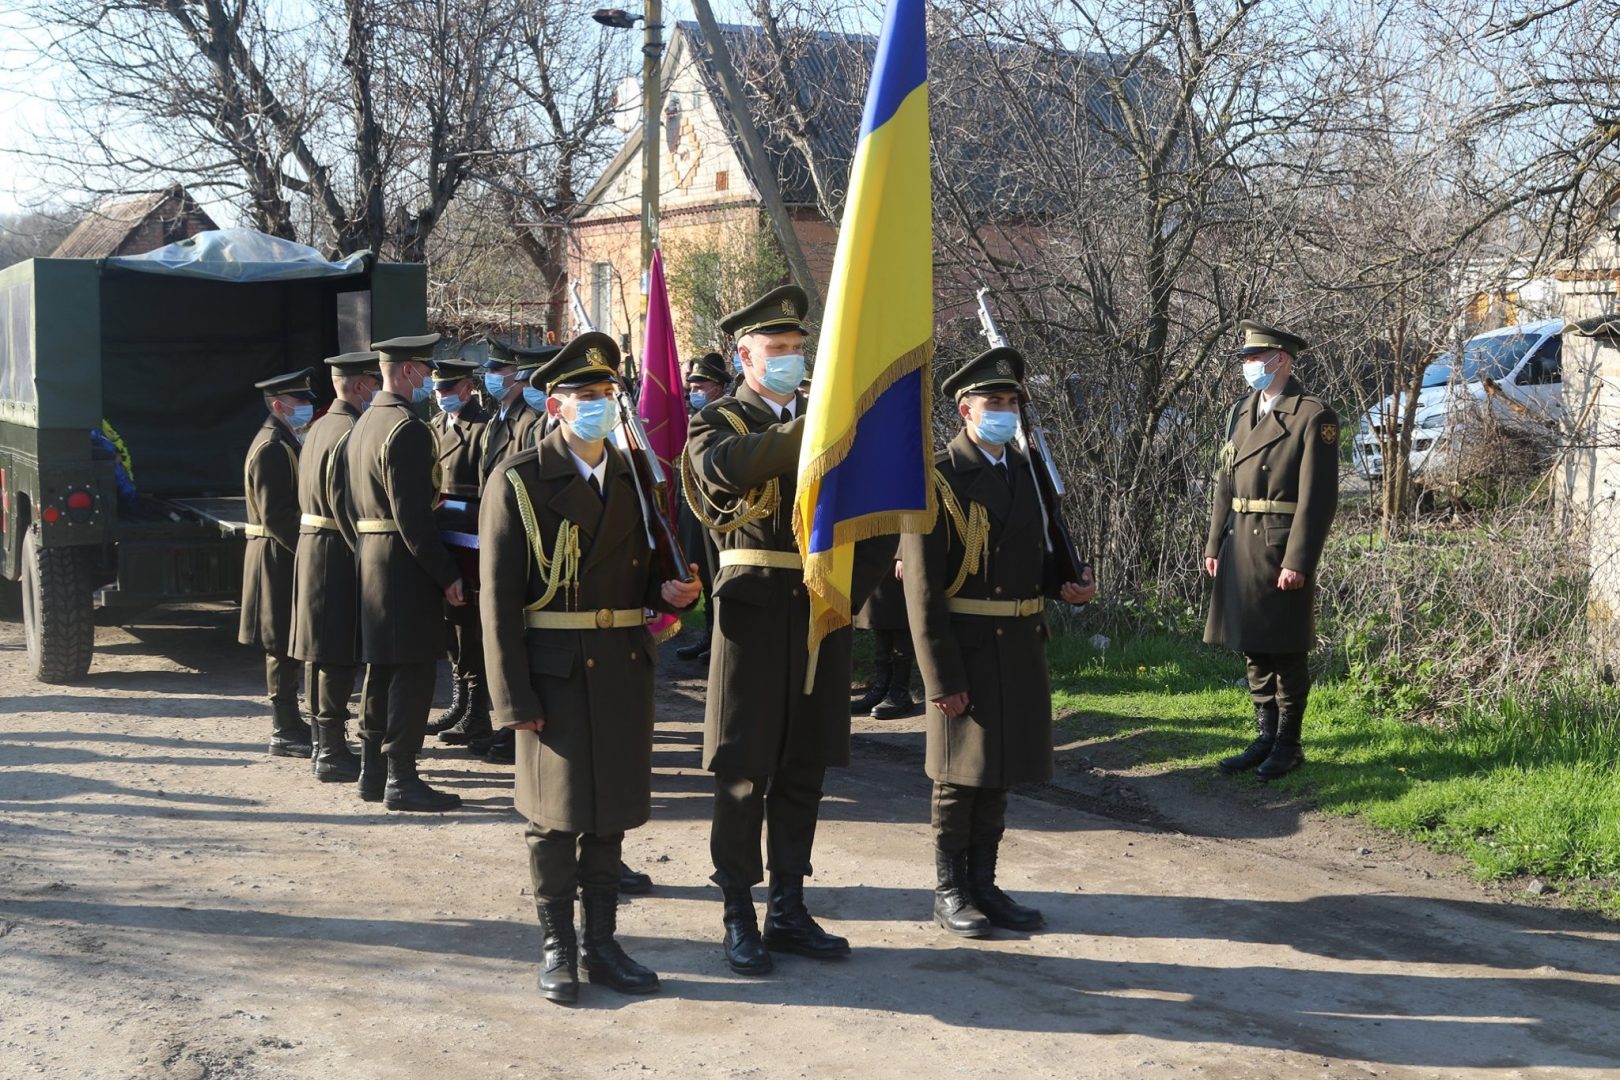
[[783, 374], [364, 396], [736, 361], [301, 416], [595, 420], [495, 384], [1256, 375], [452, 403], [997, 428], [535, 398], [698, 399], [421, 391]]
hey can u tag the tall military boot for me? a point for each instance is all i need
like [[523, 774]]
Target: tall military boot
[[289, 734], [1286, 754], [373, 778], [474, 723], [897, 703], [458, 708], [699, 646], [314, 745], [1265, 724], [876, 690], [789, 927], [335, 763], [407, 791], [559, 951], [953, 910], [500, 750], [601, 958], [997, 906], [745, 952]]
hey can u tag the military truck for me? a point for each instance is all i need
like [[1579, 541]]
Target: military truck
[[163, 349]]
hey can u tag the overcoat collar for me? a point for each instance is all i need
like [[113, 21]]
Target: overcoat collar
[[761, 411], [982, 484], [1259, 432], [575, 500]]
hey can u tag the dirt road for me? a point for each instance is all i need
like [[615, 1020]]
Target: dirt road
[[174, 903]]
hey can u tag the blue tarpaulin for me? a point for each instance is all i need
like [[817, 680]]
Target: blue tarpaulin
[[241, 255]]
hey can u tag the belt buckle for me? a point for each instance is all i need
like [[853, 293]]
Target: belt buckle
[[604, 619], [1027, 607]]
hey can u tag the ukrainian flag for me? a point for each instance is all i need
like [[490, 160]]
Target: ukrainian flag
[[864, 467]]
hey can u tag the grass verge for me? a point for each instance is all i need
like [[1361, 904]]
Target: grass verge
[[1527, 786]]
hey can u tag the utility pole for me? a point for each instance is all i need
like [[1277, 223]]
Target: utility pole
[[652, 130]]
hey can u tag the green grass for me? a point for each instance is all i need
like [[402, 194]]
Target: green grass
[[1526, 787]]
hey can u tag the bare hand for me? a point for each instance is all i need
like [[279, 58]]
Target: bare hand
[[525, 725], [454, 595], [955, 705], [898, 567], [1210, 566], [1290, 580], [679, 594], [1074, 593]]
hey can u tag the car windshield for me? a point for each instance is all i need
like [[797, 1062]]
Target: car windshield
[[1493, 356]]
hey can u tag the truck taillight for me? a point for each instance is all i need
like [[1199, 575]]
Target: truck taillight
[[51, 515], [79, 500]]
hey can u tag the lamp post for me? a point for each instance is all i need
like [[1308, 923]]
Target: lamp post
[[652, 51]]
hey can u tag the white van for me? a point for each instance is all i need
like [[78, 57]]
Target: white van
[[1523, 362]]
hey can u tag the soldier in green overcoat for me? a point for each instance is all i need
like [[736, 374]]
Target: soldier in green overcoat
[[1276, 490], [976, 587], [566, 575]]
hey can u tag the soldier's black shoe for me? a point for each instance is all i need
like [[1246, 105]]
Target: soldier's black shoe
[[789, 927], [1265, 726], [745, 952], [953, 910], [882, 676], [289, 734], [407, 791], [897, 703], [334, 763], [601, 958], [458, 708], [559, 952], [1001, 909], [634, 882], [502, 749], [473, 725], [373, 771], [695, 650], [1286, 753]]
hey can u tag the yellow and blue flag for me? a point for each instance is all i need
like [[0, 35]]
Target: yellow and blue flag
[[864, 468]]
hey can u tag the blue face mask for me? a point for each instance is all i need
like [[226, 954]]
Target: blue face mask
[[595, 420], [736, 361], [494, 385], [783, 374], [452, 403], [421, 393], [698, 399], [301, 416], [535, 398], [997, 428], [1256, 375]]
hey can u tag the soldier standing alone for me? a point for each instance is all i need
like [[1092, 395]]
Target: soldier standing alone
[[1276, 491], [270, 484]]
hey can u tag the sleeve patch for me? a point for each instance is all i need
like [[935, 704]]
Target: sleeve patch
[[1330, 433]]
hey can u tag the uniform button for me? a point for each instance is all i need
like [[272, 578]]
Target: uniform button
[[998, 590], [590, 663], [635, 562], [1257, 532], [999, 631], [1265, 468], [632, 654]]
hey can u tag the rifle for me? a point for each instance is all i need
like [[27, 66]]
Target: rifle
[[1067, 565], [652, 485]]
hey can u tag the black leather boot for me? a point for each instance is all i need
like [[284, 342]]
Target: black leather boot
[[952, 908], [1265, 724], [634, 882], [745, 952], [897, 703], [502, 749], [1286, 754], [407, 791], [601, 958], [373, 771], [559, 952], [335, 763], [997, 906], [474, 723], [315, 747], [289, 734], [695, 649], [458, 708], [789, 927], [876, 691]]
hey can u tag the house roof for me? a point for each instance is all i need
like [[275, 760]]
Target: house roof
[[105, 230]]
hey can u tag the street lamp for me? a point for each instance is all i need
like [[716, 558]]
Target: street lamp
[[652, 51]]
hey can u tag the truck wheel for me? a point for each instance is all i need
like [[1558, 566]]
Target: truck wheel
[[57, 622]]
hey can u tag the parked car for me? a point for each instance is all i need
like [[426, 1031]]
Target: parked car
[[1522, 364]]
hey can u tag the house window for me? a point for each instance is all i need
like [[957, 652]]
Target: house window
[[602, 295], [722, 180]]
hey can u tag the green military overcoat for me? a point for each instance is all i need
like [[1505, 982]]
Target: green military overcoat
[[389, 466], [1290, 455], [886, 608], [506, 436], [325, 588], [461, 478], [1005, 737], [590, 769], [270, 482], [757, 715]]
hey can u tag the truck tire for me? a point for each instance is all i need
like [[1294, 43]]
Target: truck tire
[[57, 614]]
